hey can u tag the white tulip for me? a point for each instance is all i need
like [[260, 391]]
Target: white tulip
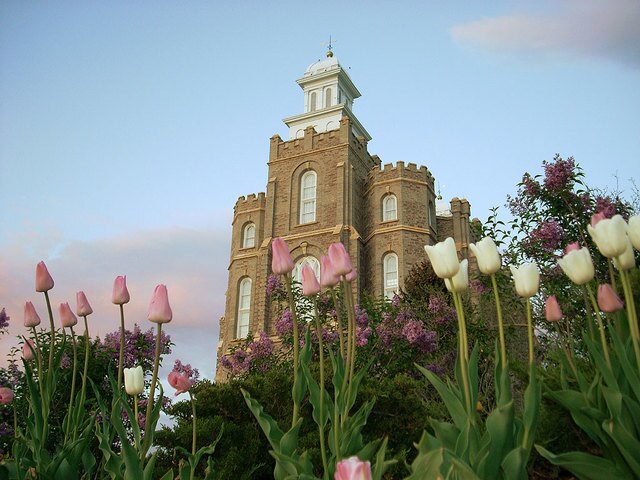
[[460, 280], [527, 279], [578, 266], [487, 255], [133, 380], [633, 231], [444, 258], [610, 236], [626, 261]]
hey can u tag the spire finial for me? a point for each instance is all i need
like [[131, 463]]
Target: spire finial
[[329, 47]]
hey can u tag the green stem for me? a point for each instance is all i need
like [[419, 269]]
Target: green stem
[[39, 356], [135, 418], [83, 391], [73, 383], [464, 369], [503, 348], [612, 275], [154, 381], [603, 339], [193, 426], [121, 354], [587, 307], [15, 421], [296, 346], [339, 318], [351, 347], [323, 451], [530, 330], [631, 315], [53, 338]]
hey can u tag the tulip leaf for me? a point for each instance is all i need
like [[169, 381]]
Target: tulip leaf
[[320, 415], [451, 401], [583, 465], [631, 373], [427, 465], [381, 465], [267, 423], [514, 464], [627, 443], [446, 433], [532, 398]]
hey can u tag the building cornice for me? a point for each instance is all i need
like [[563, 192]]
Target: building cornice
[[399, 228]]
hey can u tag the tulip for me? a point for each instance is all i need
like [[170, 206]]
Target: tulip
[[83, 308], [633, 231], [610, 236], [443, 258], [487, 255], [460, 281], [6, 395], [571, 247], [340, 259], [179, 381], [353, 468], [552, 309], [67, 318], [627, 260], [310, 285], [578, 266], [44, 282], [31, 318], [27, 350], [281, 261], [120, 294], [159, 309], [608, 301], [351, 276], [527, 278], [133, 380], [596, 217], [328, 277]]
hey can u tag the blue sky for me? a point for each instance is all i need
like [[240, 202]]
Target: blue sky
[[129, 129]]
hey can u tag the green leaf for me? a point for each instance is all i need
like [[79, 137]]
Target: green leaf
[[427, 466], [583, 465], [320, 416], [267, 423], [452, 402], [627, 443]]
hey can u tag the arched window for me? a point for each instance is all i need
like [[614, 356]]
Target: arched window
[[390, 275], [308, 197], [312, 102], [244, 308], [249, 236], [389, 208], [312, 262], [327, 98]]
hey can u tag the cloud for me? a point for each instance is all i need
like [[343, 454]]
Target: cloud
[[579, 28], [192, 263]]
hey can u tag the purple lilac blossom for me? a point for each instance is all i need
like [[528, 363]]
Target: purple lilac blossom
[[558, 174], [284, 325], [605, 206], [273, 284], [4, 319], [549, 236]]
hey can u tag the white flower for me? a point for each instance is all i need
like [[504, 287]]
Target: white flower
[[487, 254], [578, 266], [460, 280], [633, 231], [610, 236], [443, 258], [625, 261], [527, 279], [133, 380]]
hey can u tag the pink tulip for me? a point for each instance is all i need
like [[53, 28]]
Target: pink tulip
[[67, 318], [179, 381], [328, 277], [571, 247], [6, 395], [310, 285], [27, 350], [596, 217], [83, 308], [31, 318], [340, 259], [159, 309], [353, 469], [281, 262], [44, 282], [351, 276], [120, 293], [608, 301], [552, 309]]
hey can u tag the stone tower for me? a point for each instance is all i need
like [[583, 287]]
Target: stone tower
[[323, 187]]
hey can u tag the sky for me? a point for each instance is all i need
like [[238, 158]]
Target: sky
[[129, 129]]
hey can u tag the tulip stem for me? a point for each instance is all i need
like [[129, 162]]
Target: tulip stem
[[339, 318], [323, 451], [296, 346], [121, 354], [86, 366], [73, 383], [503, 348], [464, 367], [351, 347], [53, 338], [631, 315], [154, 380], [530, 330], [587, 307], [612, 276], [39, 355], [603, 338], [193, 426], [135, 417]]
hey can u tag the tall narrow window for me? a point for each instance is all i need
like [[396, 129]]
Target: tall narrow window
[[389, 208], [432, 214], [244, 308], [308, 197], [312, 102], [327, 98], [390, 275], [249, 236], [312, 262]]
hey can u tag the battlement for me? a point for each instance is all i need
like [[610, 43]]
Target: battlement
[[389, 171], [250, 202]]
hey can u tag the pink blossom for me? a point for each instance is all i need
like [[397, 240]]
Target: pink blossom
[[310, 285], [120, 294], [180, 382], [31, 318], [596, 217], [44, 282], [552, 309], [281, 261], [340, 259], [159, 309], [27, 350], [571, 247], [608, 300], [6, 395], [67, 318], [353, 469], [83, 308], [328, 276]]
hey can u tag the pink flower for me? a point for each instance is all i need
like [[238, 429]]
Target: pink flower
[[571, 247], [281, 261], [608, 301], [67, 318], [180, 382], [328, 276], [27, 350], [340, 259], [159, 309], [552, 309], [83, 308], [44, 282], [31, 318], [120, 294], [310, 285], [353, 469], [6, 395], [351, 276], [596, 217]]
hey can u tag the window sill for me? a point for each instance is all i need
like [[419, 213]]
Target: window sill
[[315, 222], [388, 222], [244, 249]]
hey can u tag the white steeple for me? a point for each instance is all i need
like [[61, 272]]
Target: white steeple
[[328, 96]]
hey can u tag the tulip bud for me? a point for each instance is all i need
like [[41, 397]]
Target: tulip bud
[[159, 309], [552, 309], [578, 266], [608, 301], [310, 285], [67, 318], [44, 282], [460, 281], [6, 395], [133, 380], [633, 231], [328, 277], [281, 261], [353, 469], [596, 217], [83, 308], [627, 260], [444, 258], [487, 255], [179, 381], [340, 259], [610, 236], [27, 350], [351, 276], [120, 294], [571, 247], [31, 318], [526, 278]]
